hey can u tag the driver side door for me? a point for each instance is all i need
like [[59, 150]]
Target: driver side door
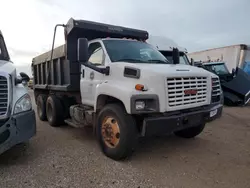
[[91, 78]]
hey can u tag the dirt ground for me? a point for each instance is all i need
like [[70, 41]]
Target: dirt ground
[[68, 157]]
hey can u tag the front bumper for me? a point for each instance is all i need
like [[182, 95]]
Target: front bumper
[[17, 129], [169, 123]]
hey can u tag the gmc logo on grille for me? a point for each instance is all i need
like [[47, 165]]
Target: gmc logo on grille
[[190, 92]]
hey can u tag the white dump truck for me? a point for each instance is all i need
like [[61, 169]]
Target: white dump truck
[[17, 118], [234, 56], [108, 77]]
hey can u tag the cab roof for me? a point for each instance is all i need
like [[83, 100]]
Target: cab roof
[[93, 30]]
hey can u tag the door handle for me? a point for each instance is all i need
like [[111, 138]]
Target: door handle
[[83, 73], [92, 75]]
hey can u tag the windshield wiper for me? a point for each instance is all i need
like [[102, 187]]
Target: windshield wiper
[[131, 60], [159, 61], [145, 61]]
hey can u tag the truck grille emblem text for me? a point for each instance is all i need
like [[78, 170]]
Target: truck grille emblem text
[[190, 92]]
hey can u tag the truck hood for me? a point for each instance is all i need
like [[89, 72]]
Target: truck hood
[[170, 69], [7, 67]]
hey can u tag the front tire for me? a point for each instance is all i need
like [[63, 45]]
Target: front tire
[[54, 110], [190, 132], [116, 132]]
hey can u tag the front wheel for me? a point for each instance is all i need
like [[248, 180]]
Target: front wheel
[[116, 132], [190, 132]]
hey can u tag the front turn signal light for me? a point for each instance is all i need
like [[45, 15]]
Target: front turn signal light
[[140, 87]]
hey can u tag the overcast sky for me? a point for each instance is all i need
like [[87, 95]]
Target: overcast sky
[[28, 25]]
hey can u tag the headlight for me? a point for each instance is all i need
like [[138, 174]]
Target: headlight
[[139, 105], [23, 104], [146, 103]]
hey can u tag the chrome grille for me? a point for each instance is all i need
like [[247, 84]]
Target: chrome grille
[[177, 91], [215, 87], [3, 95], [216, 90]]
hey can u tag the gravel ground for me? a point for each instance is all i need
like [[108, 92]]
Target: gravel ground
[[68, 157]]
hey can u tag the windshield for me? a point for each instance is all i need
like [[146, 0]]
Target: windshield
[[3, 51], [133, 51], [218, 69], [169, 56]]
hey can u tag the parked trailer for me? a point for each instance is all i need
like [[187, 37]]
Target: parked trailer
[[234, 56], [108, 77]]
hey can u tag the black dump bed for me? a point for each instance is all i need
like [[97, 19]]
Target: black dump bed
[[64, 71]]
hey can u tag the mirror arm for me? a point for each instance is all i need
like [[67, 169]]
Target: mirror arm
[[106, 70], [18, 81], [100, 70]]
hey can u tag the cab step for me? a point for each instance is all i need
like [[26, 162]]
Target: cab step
[[72, 123]]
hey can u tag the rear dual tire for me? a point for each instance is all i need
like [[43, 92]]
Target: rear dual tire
[[51, 109], [41, 107], [54, 111]]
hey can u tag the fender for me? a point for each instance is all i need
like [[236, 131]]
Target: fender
[[117, 90]]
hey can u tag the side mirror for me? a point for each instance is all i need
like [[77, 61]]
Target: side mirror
[[82, 50], [192, 61], [25, 77], [176, 56], [197, 64]]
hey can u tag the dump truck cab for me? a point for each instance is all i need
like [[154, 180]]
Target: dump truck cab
[[17, 119]]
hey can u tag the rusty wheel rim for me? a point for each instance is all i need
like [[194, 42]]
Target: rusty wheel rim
[[110, 132]]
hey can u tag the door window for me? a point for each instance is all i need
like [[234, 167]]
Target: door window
[[96, 54], [3, 51]]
